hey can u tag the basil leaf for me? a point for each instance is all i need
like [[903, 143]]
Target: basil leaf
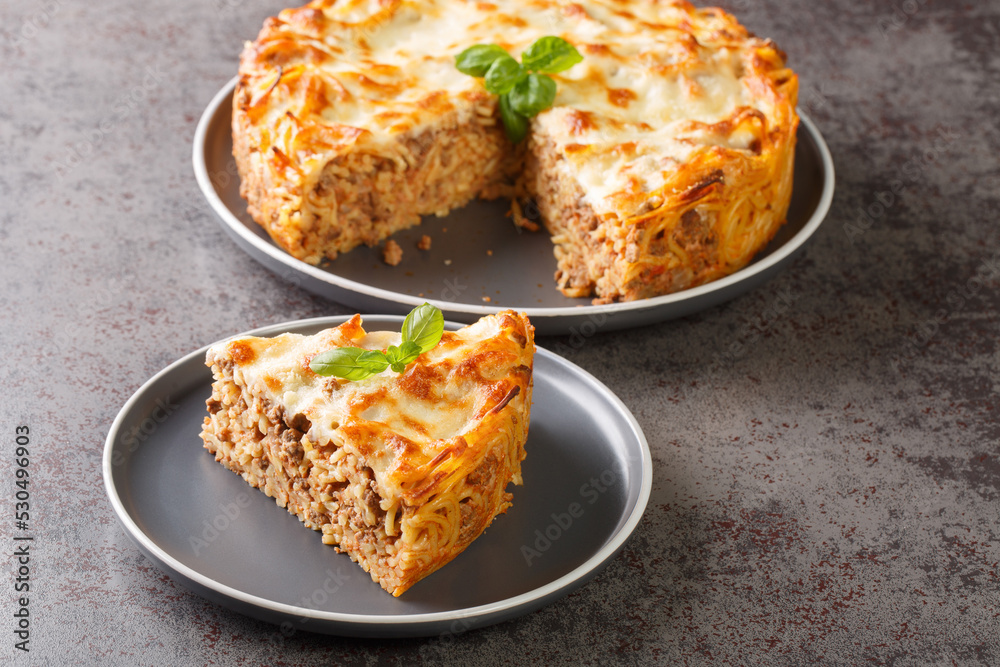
[[503, 74], [533, 94], [515, 125], [404, 354], [422, 330], [409, 351], [373, 360], [392, 354], [423, 327], [400, 356], [476, 60], [343, 362], [550, 55]]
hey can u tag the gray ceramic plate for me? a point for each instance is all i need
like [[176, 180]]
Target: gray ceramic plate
[[457, 273], [587, 479]]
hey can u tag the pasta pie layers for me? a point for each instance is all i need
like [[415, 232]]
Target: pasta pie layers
[[665, 162], [400, 471]]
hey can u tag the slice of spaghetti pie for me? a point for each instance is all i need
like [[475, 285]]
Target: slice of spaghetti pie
[[402, 471]]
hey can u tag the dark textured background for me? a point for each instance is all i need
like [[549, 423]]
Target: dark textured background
[[831, 492]]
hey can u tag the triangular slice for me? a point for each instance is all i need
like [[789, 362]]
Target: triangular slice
[[400, 471]]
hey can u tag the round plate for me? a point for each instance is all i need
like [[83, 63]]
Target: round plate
[[587, 478], [478, 253]]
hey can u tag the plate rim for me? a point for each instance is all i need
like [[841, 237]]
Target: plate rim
[[234, 224], [538, 596]]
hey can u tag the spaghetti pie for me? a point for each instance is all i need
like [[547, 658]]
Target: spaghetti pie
[[400, 471], [665, 162]]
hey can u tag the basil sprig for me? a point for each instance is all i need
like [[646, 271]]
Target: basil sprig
[[525, 89], [422, 331]]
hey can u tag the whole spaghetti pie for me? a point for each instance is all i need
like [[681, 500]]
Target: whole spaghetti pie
[[664, 162]]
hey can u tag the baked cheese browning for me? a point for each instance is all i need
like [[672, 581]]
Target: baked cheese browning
[[400, 471], [665, 161]]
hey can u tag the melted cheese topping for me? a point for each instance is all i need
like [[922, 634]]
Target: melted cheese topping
[[657, 84], [404, 426]]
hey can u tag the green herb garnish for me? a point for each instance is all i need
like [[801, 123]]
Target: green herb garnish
[[525, 89], [422, 330]]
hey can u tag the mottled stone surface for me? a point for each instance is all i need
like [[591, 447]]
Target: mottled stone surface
[[828, 489]]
